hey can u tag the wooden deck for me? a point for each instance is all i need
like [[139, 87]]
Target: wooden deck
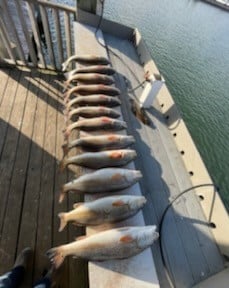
[[30, 148]]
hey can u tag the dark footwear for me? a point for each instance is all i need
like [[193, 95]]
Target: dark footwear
[[23, 258]]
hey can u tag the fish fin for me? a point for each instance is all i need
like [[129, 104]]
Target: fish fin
[[66, 134], [62, 165], [62, 195], [65, 149], [80, 237], [116, 155], [66, 83], [75, 205], [126, 239], [56, 256], [118, 203], [64, 66], [66, 114], [63, 221]]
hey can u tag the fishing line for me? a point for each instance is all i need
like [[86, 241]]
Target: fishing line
[[115, 54], [163, 218]]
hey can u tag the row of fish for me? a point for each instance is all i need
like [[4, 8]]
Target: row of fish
[[87, 88]]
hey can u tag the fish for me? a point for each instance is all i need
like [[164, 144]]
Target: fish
[[104, 210], [85, 59], [97, 160], [102, 180], [101, 142], [96, 123], [91, 111], [91, 89], [97, 99], [101, 69], [118, 243], [89, 78]]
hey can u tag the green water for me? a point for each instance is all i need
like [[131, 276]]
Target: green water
[[189, 41]]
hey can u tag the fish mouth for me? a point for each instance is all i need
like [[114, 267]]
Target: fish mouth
[[142, 201], [137, 174], [151, 230]]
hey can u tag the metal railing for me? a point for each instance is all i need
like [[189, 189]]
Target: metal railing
[[41, 36]]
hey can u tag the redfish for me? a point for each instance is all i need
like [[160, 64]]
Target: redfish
[[102, 180], [91, 89], [96, 123], [97, 160], [119, 243], [97, 99], [101, 142], [104, 210], [101, 69], [85, 59], [91, 111], [89, 78]]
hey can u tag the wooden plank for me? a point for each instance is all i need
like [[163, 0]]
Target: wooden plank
[[14, 31], [4, 76], [7, 104], [28, 229], [67, 29], [26, 32], [58, 35], [36, 34], [15, 145], [48, 37], [60, 178], [131, 272], [6, 41], [46, 197]]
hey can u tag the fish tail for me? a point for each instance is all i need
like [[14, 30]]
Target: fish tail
[[66, 133], [62, 194], [64, 66], [63, 221], [66, 115], [65, 149], [66, 83], [56, 256], [62, 164]]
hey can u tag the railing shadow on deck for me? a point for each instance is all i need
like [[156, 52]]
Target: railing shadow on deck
[[30, 183], [41, 81]]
